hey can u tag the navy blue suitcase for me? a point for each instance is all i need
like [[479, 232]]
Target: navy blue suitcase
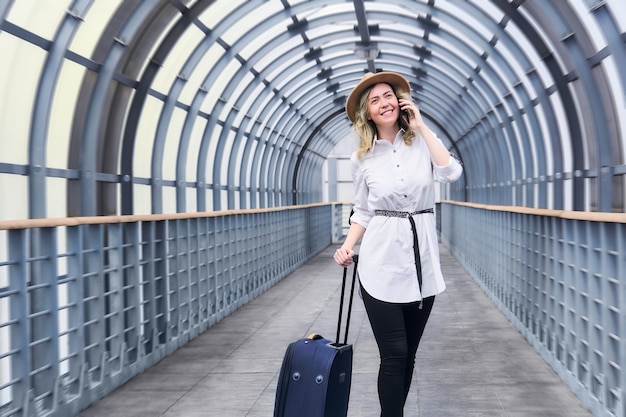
[[316, 373]]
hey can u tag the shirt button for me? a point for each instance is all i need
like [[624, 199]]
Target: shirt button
[[398, 165]]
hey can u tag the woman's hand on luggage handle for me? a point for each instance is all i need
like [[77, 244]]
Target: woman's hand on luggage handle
[[343, 256]]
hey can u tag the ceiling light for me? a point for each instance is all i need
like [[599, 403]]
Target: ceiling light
[[366, 51]]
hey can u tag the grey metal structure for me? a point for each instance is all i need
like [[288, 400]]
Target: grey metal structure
[[190, 107], [559, 278], [104, 301], [183, 106]]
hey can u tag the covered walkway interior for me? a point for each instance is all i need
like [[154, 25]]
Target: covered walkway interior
[[165, 162], [472, 362]]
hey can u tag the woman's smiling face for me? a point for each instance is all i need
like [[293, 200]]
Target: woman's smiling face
[[382, 105]]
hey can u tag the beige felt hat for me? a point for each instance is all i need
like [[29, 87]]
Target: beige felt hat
[[395, 80]]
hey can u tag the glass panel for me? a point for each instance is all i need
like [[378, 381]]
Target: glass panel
[[254, 45], [227, 144], [144, 142], [142, 199], [251, 21], [218, 10], [279, 55], [194, 148], [191, 198], [18, 209], [169, 200], [172, 144], [174, 62], [41, 17], [56, 204], [213, 137], [18, 87], [62, 114]]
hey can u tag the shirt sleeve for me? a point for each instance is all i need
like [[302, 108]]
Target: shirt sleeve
[[449, 173], [362, 214]]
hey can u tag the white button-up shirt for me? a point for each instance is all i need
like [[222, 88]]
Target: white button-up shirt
[[400, 178]]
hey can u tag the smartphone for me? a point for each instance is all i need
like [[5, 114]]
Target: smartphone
[[406, 114]]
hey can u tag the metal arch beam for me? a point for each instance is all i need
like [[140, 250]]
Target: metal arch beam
[[409, 39], [93, 145], [617, 49], [435, 86], [288, 143], [273, 160], [269, 45], [123, 49], [346, 79], [313, 116], [187, 18], [303, 175], [167, 111], [553, 140], [40, 119], [494, 80], [515, 116], [247, 66], [231, 52], [521, 124], [614, 38], [504, 87], [165, 50], [361, 18], [561, 86], [226, 130], [594, 94], [303, 96]]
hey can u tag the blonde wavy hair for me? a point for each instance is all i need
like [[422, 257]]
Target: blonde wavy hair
[[366, 129]]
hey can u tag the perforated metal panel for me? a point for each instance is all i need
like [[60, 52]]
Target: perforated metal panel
[[86, 306], [561, 281]]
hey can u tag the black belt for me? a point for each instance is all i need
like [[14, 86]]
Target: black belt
[[403, 214], [416, 247]]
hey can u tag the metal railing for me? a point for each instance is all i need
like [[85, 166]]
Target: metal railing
[[560, 278], [88, 303]]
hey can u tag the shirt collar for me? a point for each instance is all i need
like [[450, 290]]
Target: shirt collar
[[395, 142]]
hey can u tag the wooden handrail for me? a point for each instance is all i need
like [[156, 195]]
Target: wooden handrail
[[75, 221], [592, 216]]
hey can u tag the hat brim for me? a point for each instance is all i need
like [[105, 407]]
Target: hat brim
[[395, 80]]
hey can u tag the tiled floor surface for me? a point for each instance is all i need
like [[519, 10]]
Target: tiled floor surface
[[472, 361]]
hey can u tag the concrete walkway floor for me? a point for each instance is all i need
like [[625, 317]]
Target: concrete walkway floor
[[472, 362]]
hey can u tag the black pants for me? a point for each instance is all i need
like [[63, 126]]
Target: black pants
[[397, 329]]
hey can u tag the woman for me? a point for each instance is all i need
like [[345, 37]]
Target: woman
[[393, 171]]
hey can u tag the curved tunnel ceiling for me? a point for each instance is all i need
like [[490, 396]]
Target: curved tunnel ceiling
[[178, 105]]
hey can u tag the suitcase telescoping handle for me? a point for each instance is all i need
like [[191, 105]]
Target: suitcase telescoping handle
[[355, 259]]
